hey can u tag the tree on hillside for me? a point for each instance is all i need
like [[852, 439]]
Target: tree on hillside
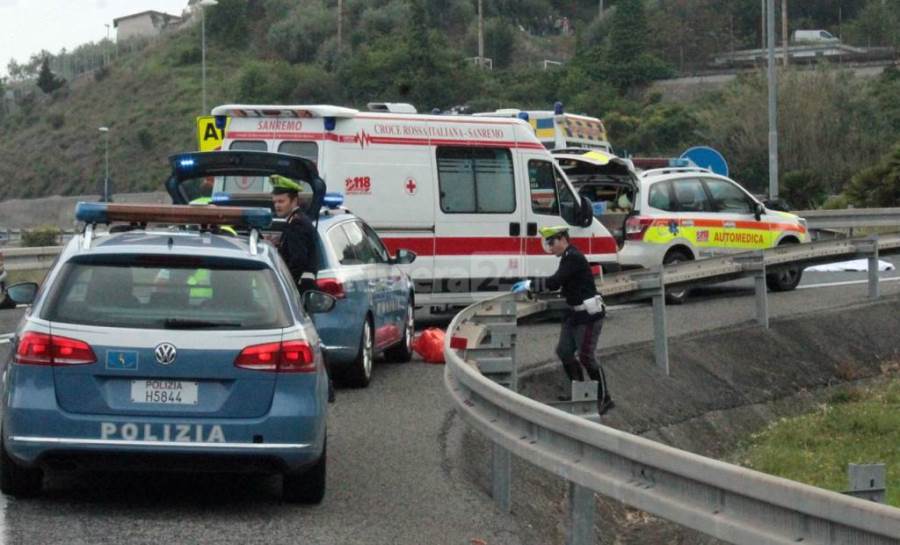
[[878, 186], [629, 64], [47, 80]]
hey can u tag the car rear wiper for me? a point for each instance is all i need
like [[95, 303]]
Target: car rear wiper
[[182, 323]]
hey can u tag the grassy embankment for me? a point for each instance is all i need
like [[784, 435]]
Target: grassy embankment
[[859, 425]]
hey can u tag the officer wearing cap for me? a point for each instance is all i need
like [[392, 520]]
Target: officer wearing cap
[[298, 241], [584, 319]]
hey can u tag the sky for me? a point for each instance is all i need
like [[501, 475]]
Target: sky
[[28, 26]]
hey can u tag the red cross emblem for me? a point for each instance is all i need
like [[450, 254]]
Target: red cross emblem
[[410, 186]]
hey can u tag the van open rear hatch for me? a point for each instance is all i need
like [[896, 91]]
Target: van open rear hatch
[[609, 182]]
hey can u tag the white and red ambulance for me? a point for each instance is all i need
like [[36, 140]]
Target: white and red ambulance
[[466, 194]]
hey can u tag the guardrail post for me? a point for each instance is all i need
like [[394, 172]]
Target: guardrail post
[[581, 515], [501, 477], [652, 283], [755, 264], [867, 481], [496, 355], [868, 248]]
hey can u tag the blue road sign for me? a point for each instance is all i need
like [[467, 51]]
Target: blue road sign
[[706, 157]]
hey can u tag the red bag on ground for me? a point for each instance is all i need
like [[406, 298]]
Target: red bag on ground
[[430, 345]]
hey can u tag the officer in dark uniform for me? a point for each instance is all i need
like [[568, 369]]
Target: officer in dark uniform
[[298, 245], [584, 318]]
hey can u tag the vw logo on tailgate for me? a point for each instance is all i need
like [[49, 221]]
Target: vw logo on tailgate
[[165, 353]]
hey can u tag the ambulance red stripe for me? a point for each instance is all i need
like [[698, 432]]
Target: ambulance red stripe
[[447, 246]]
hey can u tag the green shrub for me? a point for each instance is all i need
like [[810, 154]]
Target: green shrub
[[45, 235], [145, 138], [56, 120]]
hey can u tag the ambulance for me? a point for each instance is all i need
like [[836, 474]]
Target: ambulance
[[466, 194], [558, 130]]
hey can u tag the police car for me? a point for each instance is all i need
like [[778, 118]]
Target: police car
[[686, 213], [125, 362], [374, 313]]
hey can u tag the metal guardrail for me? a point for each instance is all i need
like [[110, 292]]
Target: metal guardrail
[[25, 259], [850, 218], [731, 503]]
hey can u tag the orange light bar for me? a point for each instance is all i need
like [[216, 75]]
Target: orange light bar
[[90, 212]]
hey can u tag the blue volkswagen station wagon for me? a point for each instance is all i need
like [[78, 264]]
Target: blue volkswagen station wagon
[[170, 348]]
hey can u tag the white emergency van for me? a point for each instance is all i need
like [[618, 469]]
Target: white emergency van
[[558, 130], [466, 194]]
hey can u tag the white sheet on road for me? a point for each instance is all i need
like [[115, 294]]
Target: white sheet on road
[[854, 265]]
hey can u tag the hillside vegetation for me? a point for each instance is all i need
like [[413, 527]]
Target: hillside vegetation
[[832, 126]]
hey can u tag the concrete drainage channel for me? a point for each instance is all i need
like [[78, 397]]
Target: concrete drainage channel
[[719, 393]]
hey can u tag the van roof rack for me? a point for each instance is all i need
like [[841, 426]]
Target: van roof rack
[[673, 170]]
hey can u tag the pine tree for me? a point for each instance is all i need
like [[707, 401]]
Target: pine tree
[[47, 80]]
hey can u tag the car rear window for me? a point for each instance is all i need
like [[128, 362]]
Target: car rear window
[[157, 292]]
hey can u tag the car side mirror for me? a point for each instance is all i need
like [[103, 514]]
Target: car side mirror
[[758, 210], [22, 293], [404, 257], [584, 214], [318, 302]]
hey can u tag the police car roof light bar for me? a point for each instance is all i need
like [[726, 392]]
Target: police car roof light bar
[[96, 212]]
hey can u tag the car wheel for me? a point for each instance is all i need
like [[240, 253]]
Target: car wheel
[[677, 296], [360, 372], [784, 279], [18, 481], [307, 486], [403, 351]]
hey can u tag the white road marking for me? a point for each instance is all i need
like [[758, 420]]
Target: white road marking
[[4, 338], [847, 283]]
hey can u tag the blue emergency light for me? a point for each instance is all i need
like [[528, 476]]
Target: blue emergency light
[[330, 123], [220, 197], [680, 162], [522, 115], [333, 200], [91, 212], [186, 163]]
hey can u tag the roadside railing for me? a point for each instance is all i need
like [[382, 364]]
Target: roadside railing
[[728, 502]]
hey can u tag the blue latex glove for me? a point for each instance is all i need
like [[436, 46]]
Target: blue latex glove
[[522, 286]]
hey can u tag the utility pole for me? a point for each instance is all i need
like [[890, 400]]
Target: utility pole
[[600, 12], [340, 25], [762, 24], [480, 35], [773, 90], [784, 29]]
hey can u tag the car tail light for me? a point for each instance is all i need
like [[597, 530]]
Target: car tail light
[[296, 357], [635, 226], [284, 357], [331, 286], [43, 349]]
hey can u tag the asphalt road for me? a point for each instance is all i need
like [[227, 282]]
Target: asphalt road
[[393, 455]]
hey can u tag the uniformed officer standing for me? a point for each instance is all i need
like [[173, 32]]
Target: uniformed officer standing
[[584, 319], [298, 241]]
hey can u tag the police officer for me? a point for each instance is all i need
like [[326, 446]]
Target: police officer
[[584, 318], [298, 241]]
